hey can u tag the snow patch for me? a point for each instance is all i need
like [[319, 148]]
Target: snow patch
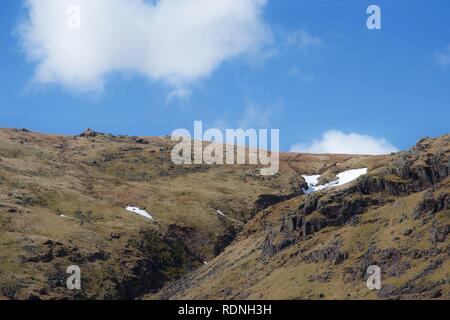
[[220, 213], [343, 178], [313, 182], [350, 175], [140, 212]]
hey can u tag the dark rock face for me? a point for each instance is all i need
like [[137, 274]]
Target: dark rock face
[[148, 261], [266, 200], [415, 286], [140, 140], [387, 292], [439, 233], [413, 171], [26, 199], [322, 277], [335, 210], [309, 206], [290, 223], [436, 294], [345, 208], [160, 258], [331, 253], [393, 263], [96, 256], [45, 258], [225, 240], [312, 226], [370, 185], [432, 168], [268, 248], [431, 204], [144, 276], [54, 249]]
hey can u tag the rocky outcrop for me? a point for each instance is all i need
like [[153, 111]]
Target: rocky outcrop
[[335, 210], [431, 204], [225, 240], [268, 247], [439, 233], [340, 208], [330, 253], [89, 133], [159, 258], [413, 171], [267, 200], [309, 206], [415, 286]]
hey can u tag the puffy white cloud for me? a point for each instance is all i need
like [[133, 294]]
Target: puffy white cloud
[[175, 41], [339, 142]]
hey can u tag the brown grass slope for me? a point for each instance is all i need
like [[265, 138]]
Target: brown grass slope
[[319, 246], [62, 201]]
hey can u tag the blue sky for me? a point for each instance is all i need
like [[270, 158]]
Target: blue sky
[[318, 69]]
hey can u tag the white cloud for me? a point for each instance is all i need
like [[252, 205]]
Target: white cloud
[[442, 58], [353, 143], [175, 41]]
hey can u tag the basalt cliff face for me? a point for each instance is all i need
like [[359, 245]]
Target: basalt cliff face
[[218, 232]]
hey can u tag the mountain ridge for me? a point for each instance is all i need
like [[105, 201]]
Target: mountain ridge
[[301, 249], [63, 201]]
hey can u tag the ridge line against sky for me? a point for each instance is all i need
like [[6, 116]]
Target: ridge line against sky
[[303, 67]]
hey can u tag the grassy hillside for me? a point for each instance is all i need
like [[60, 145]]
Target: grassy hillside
[[319, 246], [63, 200]]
